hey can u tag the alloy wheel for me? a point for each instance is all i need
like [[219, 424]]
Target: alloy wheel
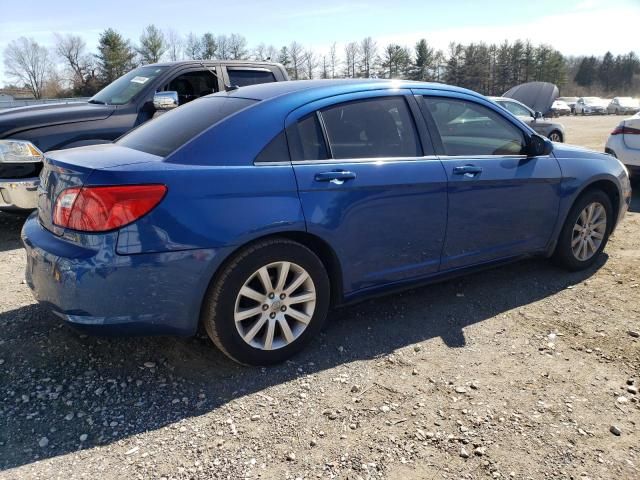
[[555, 137], [275, 305], [589, 231]]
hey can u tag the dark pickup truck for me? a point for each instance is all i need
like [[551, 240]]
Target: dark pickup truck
[[122, 105]]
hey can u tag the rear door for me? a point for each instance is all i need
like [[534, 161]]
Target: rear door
[[501, 202], [370, 186]]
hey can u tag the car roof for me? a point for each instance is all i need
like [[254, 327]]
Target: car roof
[[321, 88], [210, 62]]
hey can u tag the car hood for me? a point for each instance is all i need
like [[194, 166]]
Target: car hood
[[538, 96], [15, 120]]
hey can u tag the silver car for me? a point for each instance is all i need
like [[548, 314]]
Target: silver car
[[623, 106], [554, 131], [591, 106]]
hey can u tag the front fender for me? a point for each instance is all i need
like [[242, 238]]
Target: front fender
[[583, 169]]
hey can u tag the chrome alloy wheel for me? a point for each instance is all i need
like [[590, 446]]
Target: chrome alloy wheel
[[588, 232], [555, 137], [275, 305]]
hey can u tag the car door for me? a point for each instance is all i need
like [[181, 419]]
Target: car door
[[367, 188], [502, 203]]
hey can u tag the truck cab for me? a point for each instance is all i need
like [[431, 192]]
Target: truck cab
[[116, 109]]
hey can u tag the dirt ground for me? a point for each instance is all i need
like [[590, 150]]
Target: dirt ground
[[524, 372]]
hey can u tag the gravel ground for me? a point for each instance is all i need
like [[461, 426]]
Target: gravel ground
[[520, 372]]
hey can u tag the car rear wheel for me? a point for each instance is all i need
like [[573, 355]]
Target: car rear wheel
[[555, 136], [268, 302], [585, 232]]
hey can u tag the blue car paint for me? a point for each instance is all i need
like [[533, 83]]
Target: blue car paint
[[394, 224]]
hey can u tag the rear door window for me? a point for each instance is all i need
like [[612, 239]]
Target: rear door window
[[307, 140], [241, 78], [371, 128], [170, 131]]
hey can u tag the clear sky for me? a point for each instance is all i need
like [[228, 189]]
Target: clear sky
[[572, 26]]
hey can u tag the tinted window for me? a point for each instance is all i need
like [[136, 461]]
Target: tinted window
[[517, 110], [307, 141], [192, 85], [242, 78], [276, 151], [467, 128], [379, 127], [166, 133]]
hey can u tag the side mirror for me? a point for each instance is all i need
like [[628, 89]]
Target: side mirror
[[537, 115], [539, 146], [163, 101]]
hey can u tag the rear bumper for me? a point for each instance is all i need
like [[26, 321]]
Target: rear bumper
[[90, 286], [19, 194]]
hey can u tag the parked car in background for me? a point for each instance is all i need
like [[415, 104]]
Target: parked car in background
[[554, 131], [129, 101], [624, 144], [560, 108], [623, 106], [570, 101], [590, 106], [274, 202]]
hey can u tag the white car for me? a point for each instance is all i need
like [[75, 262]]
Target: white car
[[623, 106], [624, 144], [590, 106], [560, 108]]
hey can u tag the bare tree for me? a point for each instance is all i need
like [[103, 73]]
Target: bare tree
[[193, 47], [351, 51], [368, 53], [28, 62], [333, 60], [237, 47], [71, 49], [223, 47], [296, 58], [175, 45], [264, 53], [310, 63]]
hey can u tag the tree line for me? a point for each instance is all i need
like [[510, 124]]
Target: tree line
[[70, 69]]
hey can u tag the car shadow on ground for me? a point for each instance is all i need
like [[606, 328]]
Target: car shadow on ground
[[60, 384], [635, 199], [10, 226]]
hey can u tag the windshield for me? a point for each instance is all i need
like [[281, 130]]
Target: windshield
[[592, 100], [627, 102], [126, 87]]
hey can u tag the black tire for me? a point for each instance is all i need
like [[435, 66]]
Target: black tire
[[563, 255], [559, 139], [218, 308]]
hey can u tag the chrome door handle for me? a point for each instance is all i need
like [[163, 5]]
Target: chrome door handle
[[468, 171], [337, 177]]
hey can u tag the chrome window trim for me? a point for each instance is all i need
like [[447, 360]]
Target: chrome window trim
[[397, 159]]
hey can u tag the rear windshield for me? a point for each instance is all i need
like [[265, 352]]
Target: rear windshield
[[167, 132]]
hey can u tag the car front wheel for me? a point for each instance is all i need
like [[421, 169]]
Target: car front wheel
[[585, 232], [555, 136], [268, 302]]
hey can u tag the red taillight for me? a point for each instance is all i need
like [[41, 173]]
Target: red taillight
[[99, 209], [624, 130]]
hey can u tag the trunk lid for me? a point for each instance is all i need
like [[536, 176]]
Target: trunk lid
[[63, 169]]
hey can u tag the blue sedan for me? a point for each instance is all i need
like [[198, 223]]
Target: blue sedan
[[252, 212]]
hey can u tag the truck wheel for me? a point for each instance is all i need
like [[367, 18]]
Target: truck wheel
[[268, 302], [585, 232]]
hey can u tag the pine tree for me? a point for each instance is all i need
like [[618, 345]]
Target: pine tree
[[115, 56], [152, 45], [424, 64]]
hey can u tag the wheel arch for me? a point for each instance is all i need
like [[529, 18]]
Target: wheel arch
[[317, 245], [608, 186]]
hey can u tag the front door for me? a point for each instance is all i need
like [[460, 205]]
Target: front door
[[502, 203], [367, 188]]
